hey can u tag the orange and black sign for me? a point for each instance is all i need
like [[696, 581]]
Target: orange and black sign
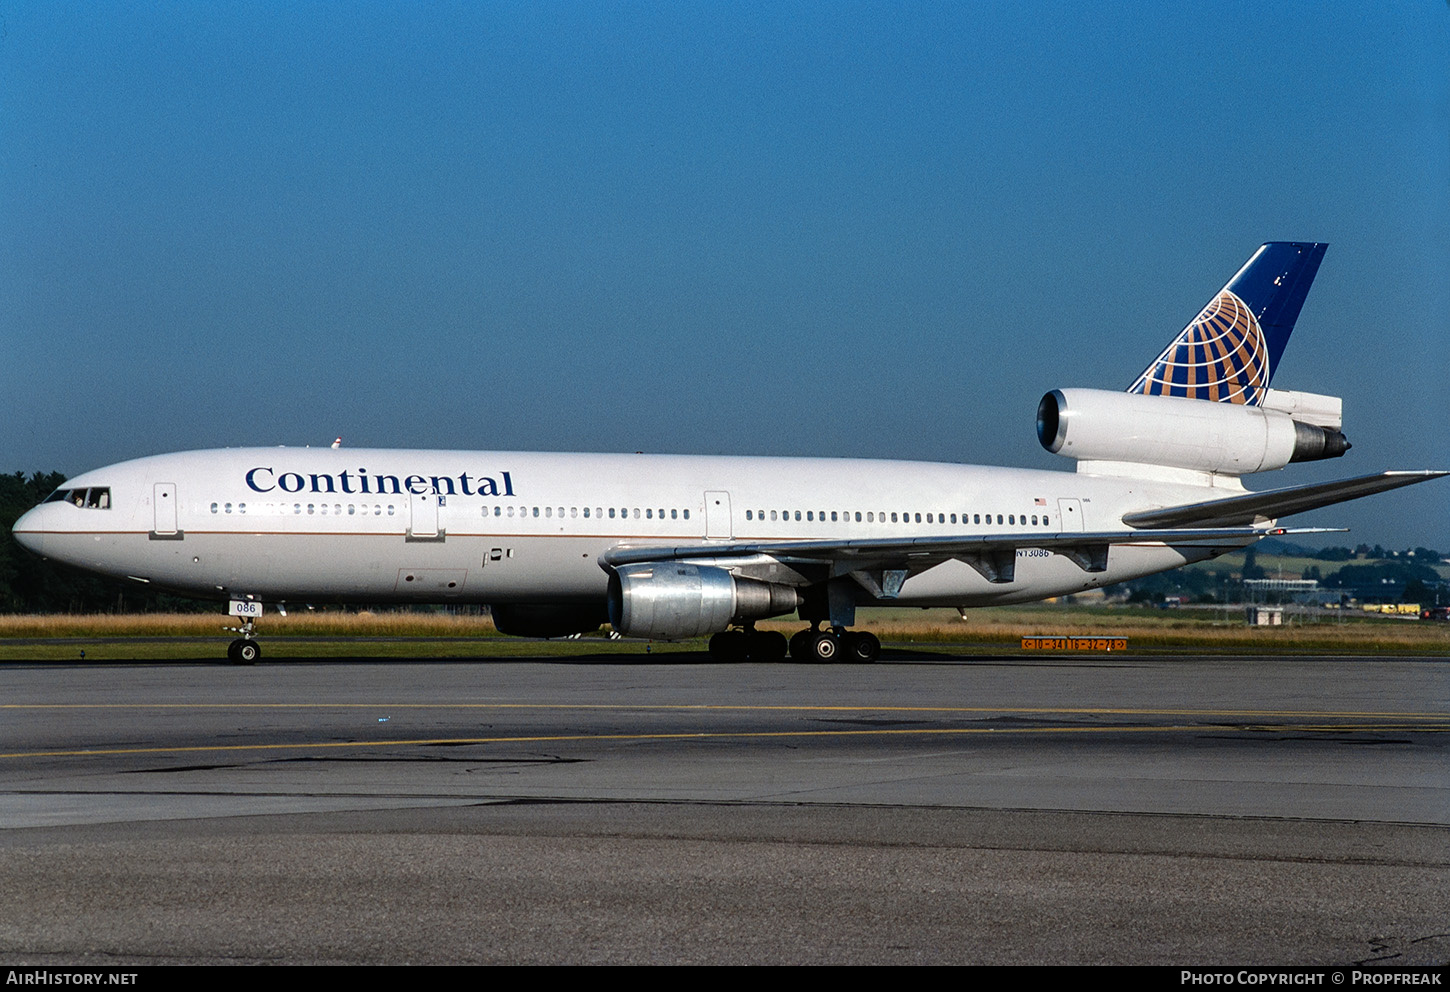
[[1074, 644]]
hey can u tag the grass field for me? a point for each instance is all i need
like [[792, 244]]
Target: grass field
[[995, 631], [1292, 567]]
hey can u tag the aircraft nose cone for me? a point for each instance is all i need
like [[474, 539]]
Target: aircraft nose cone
[[28, 534]]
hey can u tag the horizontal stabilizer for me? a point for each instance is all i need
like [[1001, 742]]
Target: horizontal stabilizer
[[1252, 508]]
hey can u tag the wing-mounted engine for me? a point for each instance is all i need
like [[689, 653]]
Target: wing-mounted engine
[[673, 599], [1203, 436]]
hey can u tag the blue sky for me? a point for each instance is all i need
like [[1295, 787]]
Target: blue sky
[[879, 229]]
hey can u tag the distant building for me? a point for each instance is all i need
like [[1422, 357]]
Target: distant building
[[1281, 585]]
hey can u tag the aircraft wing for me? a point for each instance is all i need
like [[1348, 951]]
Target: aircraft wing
[[882, 564], [1252, 508]]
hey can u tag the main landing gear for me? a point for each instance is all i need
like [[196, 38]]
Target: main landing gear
[[748, 645], [835, 644], [814, 645]]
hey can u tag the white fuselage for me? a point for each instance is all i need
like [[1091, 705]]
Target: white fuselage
[[360, 525]]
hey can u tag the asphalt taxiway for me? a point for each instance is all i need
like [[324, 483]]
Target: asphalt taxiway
[[932, 809]]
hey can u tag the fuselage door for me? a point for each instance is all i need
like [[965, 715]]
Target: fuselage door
[[163, 503], [424, 515], [1069, 515], [717, 516]]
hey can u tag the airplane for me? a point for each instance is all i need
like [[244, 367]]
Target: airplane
[[680, 546]]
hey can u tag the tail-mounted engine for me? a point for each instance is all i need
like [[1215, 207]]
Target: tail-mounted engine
[[672, 600], [1227, 438]]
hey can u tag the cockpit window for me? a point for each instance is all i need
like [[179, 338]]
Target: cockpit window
[[94, 498]]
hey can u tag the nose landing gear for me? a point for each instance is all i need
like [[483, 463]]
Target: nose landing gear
[[244, 650]]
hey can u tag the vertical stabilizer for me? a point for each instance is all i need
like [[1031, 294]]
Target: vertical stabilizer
[[1229, 352]]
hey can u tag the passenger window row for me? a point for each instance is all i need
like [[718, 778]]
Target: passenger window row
[[597, 512], [872, 516], [298, 509], [100, 497]]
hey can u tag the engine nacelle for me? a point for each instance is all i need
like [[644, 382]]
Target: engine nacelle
[[540, 620], [672, 600], [1228, 438]]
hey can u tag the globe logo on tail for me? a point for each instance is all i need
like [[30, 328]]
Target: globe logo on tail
[[1221, 357]]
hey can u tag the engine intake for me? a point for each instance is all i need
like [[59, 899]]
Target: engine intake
[[673, 600]]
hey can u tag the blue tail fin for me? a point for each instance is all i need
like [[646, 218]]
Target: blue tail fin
[[1229, 352]]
